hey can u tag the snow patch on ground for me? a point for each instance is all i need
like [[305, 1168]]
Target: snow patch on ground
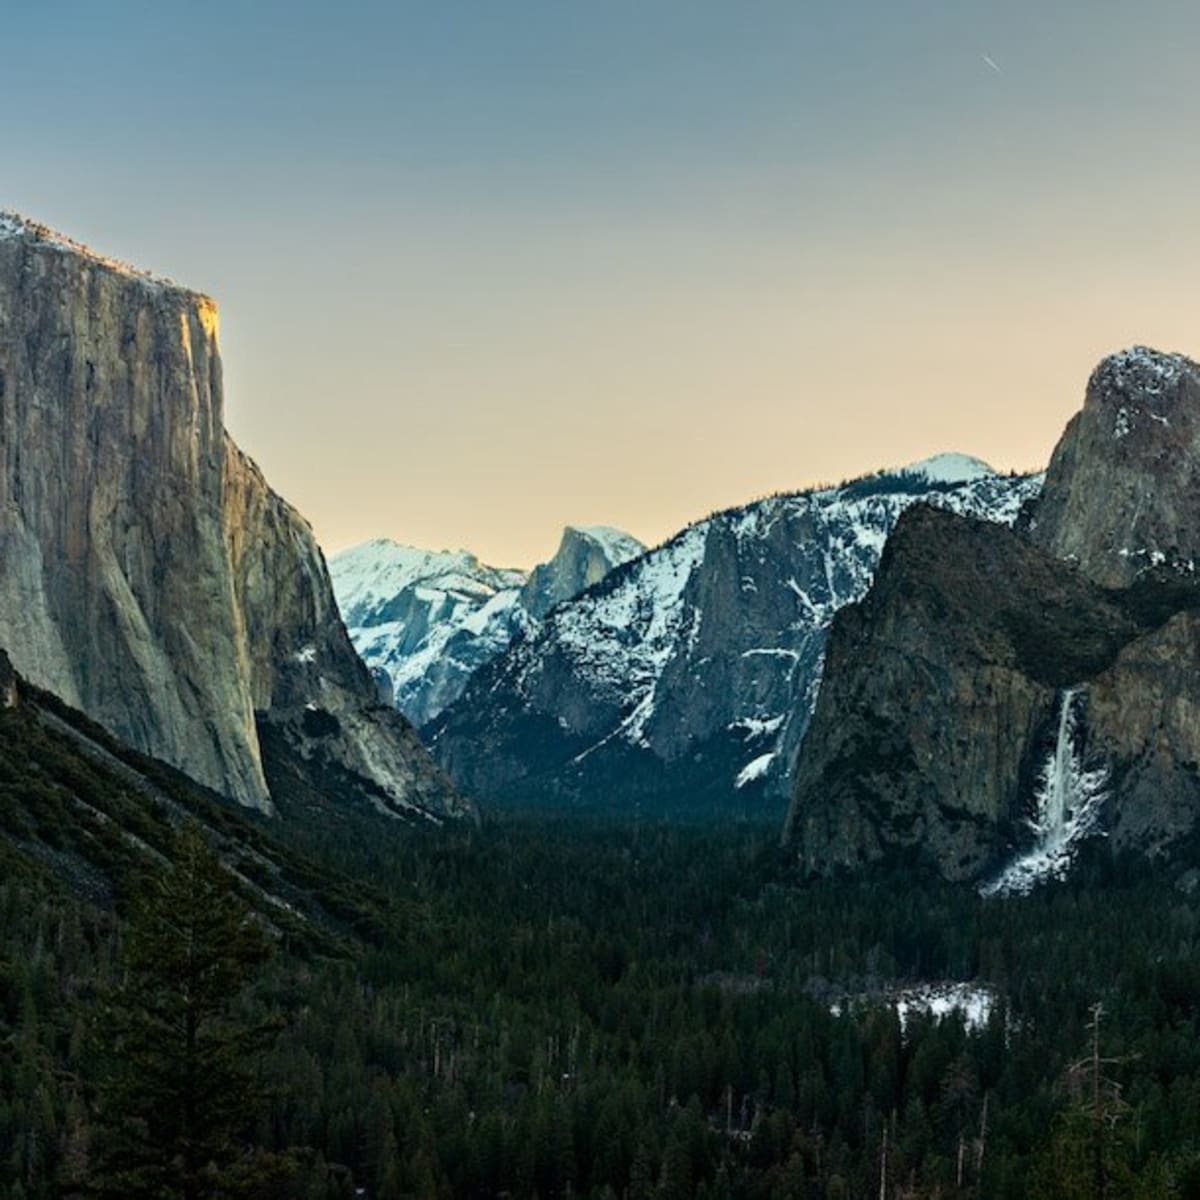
[[974, 1002], [756, 727]]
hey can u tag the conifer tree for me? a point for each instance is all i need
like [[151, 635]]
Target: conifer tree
[[179, 1086]]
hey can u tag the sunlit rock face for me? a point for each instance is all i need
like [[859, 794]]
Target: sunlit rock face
[[998, 696], [148, 575]]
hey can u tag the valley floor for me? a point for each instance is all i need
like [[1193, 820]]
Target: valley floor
[[605, 1007]]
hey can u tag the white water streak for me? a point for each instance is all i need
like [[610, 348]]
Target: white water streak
[[1068, 802]]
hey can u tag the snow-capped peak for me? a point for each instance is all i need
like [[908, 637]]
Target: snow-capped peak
[[950, 468], [618, 546], [375, 572]]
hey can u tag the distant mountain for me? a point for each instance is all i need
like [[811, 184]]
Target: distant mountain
[[425, 621], [149, 576], [687, 676], [1001, 696]]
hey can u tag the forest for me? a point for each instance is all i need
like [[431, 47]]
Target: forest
[[595, 1007]]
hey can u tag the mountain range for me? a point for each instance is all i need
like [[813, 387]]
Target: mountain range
[[686, 677], [426, 621], [962, 671]]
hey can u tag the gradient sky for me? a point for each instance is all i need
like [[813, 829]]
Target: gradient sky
[[489, 268]]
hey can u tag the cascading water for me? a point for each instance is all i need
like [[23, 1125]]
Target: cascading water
[[1067, 807]]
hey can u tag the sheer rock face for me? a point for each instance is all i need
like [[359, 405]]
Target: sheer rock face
[[148, 575], [1123, 488], [941, 689]]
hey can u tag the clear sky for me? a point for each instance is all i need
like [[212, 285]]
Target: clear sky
[[489, 268]]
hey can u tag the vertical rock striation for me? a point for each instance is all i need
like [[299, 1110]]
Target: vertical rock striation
[[148, 575]]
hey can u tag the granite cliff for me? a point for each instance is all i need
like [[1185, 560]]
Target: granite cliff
[[1123, 486], [148, 574], [583, 558], [998, 696]]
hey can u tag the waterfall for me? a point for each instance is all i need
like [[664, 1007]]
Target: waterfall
[[1067, 804], [1058, 776]]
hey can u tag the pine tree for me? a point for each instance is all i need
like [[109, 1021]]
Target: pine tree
[[179, 1089]]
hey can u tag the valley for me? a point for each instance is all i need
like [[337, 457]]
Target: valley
[[807, 854]]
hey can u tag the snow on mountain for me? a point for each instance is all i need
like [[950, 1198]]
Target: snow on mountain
[[616, 544], [430, 619], [691, 672], [370, 577], [949, 468]]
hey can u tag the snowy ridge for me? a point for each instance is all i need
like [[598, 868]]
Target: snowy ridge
[[715, 636], [616, 544], [370, 576], [430, 619], [427, 618]]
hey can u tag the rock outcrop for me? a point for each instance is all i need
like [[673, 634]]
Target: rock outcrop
[[148, 575], [583, 558], [1123, 487], [687, 676], [993, 685]]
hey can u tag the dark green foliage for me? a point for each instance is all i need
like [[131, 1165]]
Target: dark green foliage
[[178, 1071], [597, 1008], [894, 483]]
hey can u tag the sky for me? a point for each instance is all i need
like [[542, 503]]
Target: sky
[[486, 269]]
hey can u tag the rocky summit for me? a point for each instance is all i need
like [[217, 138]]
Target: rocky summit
[[148, 574], [998, 697], [1123, 487]]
